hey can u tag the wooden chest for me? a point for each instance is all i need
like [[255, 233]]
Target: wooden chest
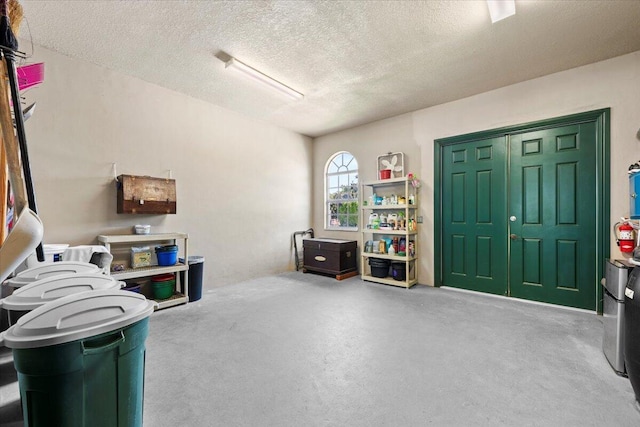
[[330, 256], [146, 195]]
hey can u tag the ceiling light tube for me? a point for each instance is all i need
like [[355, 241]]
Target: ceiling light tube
[[262, 78], [500, 9]]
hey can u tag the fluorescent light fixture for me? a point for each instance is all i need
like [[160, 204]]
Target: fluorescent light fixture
[[262, 78], [500, 9]]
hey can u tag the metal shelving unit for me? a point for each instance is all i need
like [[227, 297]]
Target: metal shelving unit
[[128, 240]]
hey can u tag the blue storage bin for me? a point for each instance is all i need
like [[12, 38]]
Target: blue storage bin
[[634, 195], [167, 255]]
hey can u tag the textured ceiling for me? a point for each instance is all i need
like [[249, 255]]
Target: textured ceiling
[[355, 61]]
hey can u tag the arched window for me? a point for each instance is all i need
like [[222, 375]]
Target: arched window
[[341, 195]]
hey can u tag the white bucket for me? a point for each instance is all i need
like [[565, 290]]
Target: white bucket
[[52, 253]]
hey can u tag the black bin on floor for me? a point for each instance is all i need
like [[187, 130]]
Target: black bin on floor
[[379, 267], [196, 271], [632, 330]]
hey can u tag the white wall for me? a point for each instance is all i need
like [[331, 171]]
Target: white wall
[[242, 186], [614, 83], [366, 143]]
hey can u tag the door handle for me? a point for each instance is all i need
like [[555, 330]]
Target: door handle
[[513, 237]]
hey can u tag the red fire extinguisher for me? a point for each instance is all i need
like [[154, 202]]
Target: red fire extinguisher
[[624, 236]]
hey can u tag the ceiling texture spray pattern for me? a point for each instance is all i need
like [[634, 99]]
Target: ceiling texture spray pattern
[[355, 61]]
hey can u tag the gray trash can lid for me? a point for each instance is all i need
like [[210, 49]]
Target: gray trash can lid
[[31, 296], [76, 317], [194, 259], [48, 269]]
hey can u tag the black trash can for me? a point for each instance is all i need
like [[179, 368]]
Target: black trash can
[[632, 330], [399, 271], [196, 270], [379, 267]]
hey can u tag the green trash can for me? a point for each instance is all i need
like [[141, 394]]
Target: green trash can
[[80, 360]]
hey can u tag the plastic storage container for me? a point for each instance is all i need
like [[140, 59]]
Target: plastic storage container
[[379, 267], [163, 285], [53, 252], [142, 229], [140, 256], [399, 271], [80, 360], [196, 272], [634, 188], [133, 287], [167, 255], [385, 174], [50, 269], [40, 292]]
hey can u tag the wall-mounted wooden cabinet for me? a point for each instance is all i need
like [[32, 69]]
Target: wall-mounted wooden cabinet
[[146, 195]]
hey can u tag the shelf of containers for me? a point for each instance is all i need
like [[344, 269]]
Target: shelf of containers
[[126, 241], [400, 187]]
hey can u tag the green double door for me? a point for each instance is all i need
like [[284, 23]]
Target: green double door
[[518, 214]]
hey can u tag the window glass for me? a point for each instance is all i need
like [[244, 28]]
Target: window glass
[[341, 198]]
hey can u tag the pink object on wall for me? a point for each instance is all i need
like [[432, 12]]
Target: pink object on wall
[[30, 75]]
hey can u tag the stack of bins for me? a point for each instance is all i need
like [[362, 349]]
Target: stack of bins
[[78, 345], [50, 269], [40, 292], [40, 272]]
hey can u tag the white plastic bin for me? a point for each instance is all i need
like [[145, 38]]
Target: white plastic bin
[[52, 253], [49, 269]]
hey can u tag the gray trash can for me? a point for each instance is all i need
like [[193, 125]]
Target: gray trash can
[[196, 271]]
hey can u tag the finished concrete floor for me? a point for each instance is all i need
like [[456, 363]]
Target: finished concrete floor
[[307, 350]]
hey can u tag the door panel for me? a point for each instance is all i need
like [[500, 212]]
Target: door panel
[[474, 248], [553, 197], [552, 178]]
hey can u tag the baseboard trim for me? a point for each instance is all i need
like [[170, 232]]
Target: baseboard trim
[[544, 304]]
